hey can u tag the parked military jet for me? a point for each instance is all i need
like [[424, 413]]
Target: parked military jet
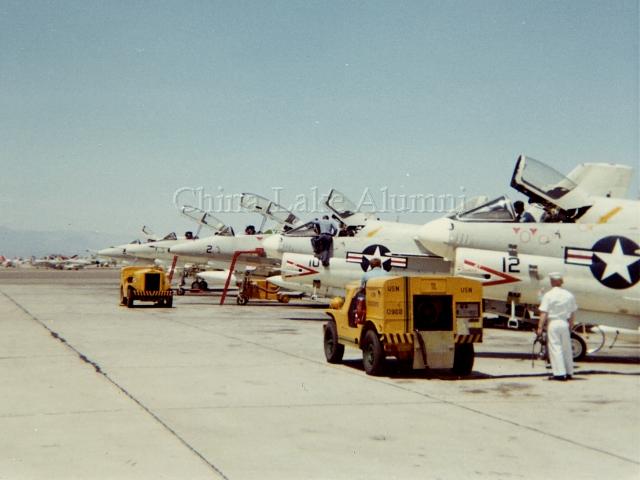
[[600, 259], [221, 249], [597, 250], [157, 251], [361, 238]]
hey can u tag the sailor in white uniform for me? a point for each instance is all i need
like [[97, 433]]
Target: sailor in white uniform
[[558, 308]]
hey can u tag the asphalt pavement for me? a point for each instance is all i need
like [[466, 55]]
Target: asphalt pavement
[[93, 390]]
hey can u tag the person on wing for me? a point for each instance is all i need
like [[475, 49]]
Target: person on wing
[[557, 311], [323, 243]]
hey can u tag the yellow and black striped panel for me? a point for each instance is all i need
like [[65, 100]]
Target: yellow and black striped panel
[[397, 338], [475, 336], [153, 293]]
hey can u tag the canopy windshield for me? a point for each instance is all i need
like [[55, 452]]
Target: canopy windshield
[[306, 230], [497, 210]]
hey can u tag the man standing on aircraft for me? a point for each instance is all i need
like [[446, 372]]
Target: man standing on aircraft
[[558, 309], [326, 230]]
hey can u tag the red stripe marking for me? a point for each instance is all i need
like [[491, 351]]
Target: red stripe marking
[[585, 257], [307, 270], [505, 278]]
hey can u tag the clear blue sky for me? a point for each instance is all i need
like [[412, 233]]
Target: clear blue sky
[[107, 108]]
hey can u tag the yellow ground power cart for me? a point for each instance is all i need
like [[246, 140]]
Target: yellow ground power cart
[[148, 284], [425, 322], [259, 289]]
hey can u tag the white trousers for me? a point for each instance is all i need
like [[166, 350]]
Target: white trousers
[[559, 345]]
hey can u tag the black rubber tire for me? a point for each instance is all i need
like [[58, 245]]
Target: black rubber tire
[[123, 299], [333, 351], [168, 302], [130, 298], [373, 357], [283, 298], [204, 285], [578, 346], [463, 359], [195, 285], [242, 300]]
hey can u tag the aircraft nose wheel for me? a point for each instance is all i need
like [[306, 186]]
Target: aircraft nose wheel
[[578, 346], [586, 339]]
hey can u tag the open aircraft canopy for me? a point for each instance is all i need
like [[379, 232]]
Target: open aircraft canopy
[[346, 211], [205, 219], [548, 187], [338, 203], [255, 203]]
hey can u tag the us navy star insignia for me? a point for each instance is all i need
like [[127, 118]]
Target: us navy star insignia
[[614, 261], [377, 251]]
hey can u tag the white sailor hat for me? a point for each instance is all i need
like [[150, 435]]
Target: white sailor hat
[[555, 276]]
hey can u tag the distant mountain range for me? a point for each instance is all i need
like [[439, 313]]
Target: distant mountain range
[[27, 243]]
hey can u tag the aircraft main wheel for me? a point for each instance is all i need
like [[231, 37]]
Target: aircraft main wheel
[[130, 298], [578, 346], [373, 357], [333, 351], [463, 359]]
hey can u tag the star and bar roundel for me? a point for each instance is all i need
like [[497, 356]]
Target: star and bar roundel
[[376, 251], [614, 261]]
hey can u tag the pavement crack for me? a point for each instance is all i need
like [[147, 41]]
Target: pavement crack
[[138, 402]]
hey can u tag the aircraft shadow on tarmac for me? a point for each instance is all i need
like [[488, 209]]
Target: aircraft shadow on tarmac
[[301, 319], [395, 370], [293, 304], [231, 301], [627, 360]]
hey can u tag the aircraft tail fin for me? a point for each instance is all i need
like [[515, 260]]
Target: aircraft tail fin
[[603, 179]]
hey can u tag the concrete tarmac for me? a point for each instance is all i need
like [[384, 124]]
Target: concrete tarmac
[[92, 390]]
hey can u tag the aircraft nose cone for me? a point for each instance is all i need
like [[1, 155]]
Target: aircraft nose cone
[[435, 236], [110, 252], [273, 246]]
